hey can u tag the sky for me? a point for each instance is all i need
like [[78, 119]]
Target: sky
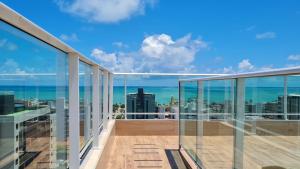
[[196, 36]]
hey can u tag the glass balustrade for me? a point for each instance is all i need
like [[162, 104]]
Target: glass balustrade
[[146, 96], [188, 116], [33, 102], [249, 122], [85, 103]]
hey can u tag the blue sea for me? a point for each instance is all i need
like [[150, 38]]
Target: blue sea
[[162, 94]]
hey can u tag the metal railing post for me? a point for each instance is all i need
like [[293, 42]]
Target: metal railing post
[[239, 125], [74, 117]]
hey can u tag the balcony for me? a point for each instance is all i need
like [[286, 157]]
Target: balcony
[[58, 109]]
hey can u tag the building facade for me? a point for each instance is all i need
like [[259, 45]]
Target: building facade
[[141, 102]]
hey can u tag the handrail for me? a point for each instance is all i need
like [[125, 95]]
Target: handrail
[[272, 72], [168, 74]]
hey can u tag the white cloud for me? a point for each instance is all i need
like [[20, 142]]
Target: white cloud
[[158, 53], [228, 70], [245, 65], [295, 57], [266, 35], [161, 52], [117, 62], [107, 11], [102, 56], [73, 37], [292, 65], [120, 45], [10, 66]]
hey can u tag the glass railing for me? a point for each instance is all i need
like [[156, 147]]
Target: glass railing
[[33, 102], [53, 101], [85, 102], [242, 121], [147, 96]]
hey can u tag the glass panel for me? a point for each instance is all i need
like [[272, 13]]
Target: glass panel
[[188, 116], [262, 98], [101, 97], [33, 102], [258, 129], [85, 82], [149, 97], [293, 98], [215, 131], [119, 99], [271, 138]]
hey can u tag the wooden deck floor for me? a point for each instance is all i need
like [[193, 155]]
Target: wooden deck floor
[[133, 152], [216, 152], [215, 148]]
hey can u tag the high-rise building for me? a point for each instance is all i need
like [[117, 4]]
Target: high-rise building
[[6, 104], [293, 106], [140, 102]]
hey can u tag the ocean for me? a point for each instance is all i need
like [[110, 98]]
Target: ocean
[[162, 94]]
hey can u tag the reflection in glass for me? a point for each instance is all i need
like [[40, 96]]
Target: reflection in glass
[[271, 136], [33, 102], [119, 97], [215, 129], [85, 89], [146, 97], [249, 123], [101, 97], [188, 116]]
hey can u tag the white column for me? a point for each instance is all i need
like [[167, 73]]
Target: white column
[[239, 125], [285, 101], [111, 94], [74, 119], [96, 106], [125, 95], [105, 99]]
